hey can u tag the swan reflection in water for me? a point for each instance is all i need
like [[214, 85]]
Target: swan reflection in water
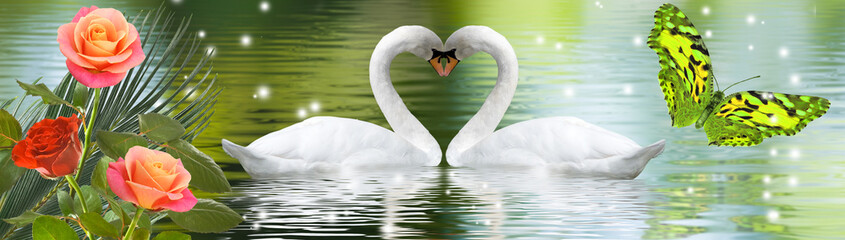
[[439, 202]]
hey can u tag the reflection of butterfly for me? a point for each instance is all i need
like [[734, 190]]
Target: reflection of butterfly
[[740, 119]]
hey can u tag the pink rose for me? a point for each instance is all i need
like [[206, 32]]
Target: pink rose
[[100, 46], [151, 179]]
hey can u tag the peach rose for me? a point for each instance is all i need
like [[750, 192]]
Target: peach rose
[[51, 147], [151, 179], [100, 46]]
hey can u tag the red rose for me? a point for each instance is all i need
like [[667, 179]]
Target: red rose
[[51, 147]]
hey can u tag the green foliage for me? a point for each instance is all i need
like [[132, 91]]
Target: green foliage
[[24, 219], [9, 173], [51, 228], [207, 216], [98, 178], [80, 95], [92, 201], [65, 202], [140, 234], [41, 90], [171, 235], [155, 86], [10, 129], [205, 173], [97, 225], [160, 128], [116, 144]]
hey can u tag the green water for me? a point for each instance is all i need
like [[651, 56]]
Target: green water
[[578, 58]]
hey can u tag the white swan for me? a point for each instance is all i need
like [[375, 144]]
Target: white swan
[[332, 143], [562, 144]]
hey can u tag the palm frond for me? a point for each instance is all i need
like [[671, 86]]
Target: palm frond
[[154, 86]]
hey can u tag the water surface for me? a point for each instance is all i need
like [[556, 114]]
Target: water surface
[[578, 58]]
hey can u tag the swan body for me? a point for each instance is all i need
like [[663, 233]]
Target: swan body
[[331, 143], [561, 144]]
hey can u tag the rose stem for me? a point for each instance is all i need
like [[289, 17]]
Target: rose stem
[[81, 196], [134, 223], [89, 126]]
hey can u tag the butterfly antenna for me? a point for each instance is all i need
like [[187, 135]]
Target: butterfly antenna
[[740, 82]]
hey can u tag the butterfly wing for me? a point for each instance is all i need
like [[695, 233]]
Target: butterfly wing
[[746, 118], [686, 76]]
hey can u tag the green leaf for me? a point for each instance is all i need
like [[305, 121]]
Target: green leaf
[[92, 200], [171, 235], [98, 178], [65, 202], [24, 219], [80, 95], [41, 90], [117, 210], [115, 145], [205, 173], [97, 225], [9, 172], [159, 127], [51, 228], [10, 129], [140, 234], [207, 216], [144, 221]]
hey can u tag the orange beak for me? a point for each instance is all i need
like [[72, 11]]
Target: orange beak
[[451, 62], [435, 62]]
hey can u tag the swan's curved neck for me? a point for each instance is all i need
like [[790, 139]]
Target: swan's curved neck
[[488, 117], [397, 114]]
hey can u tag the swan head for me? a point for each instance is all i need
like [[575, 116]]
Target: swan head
[[417, 40], [469, 40]]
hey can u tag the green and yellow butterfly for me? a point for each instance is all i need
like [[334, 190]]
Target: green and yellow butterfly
[[740, 119]]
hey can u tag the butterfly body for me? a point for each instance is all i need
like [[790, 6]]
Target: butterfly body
[[740, 119]]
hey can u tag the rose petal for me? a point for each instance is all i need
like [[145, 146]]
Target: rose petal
[[83, 12], [147, 196], [113, 15], [185, 204], [95, 51], [67, 46], [68, 160], [116, 176], [109, 60], [136, 58], [94, 80], [109, 28], [183, 177], [135, 160], [19, 155]]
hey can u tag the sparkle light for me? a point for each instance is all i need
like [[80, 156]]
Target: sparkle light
[[263, 92], [705, 10], [540, 40], [750, 19], [750, 47], [558, 46], [690, 190], [795, 153], [793, 181], [264, 6], [211, 50], [638, 41], [598, 3], [201, 34], [783, 52], [795, 79], [315, 106], [762, 22], [708, 33], [301, 113], [773, 152], [767, 179], [246, 40], [568, 92], [448, 192], [627, 89], [773, 118], [177, 1], [767, 195], [772, 215]]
